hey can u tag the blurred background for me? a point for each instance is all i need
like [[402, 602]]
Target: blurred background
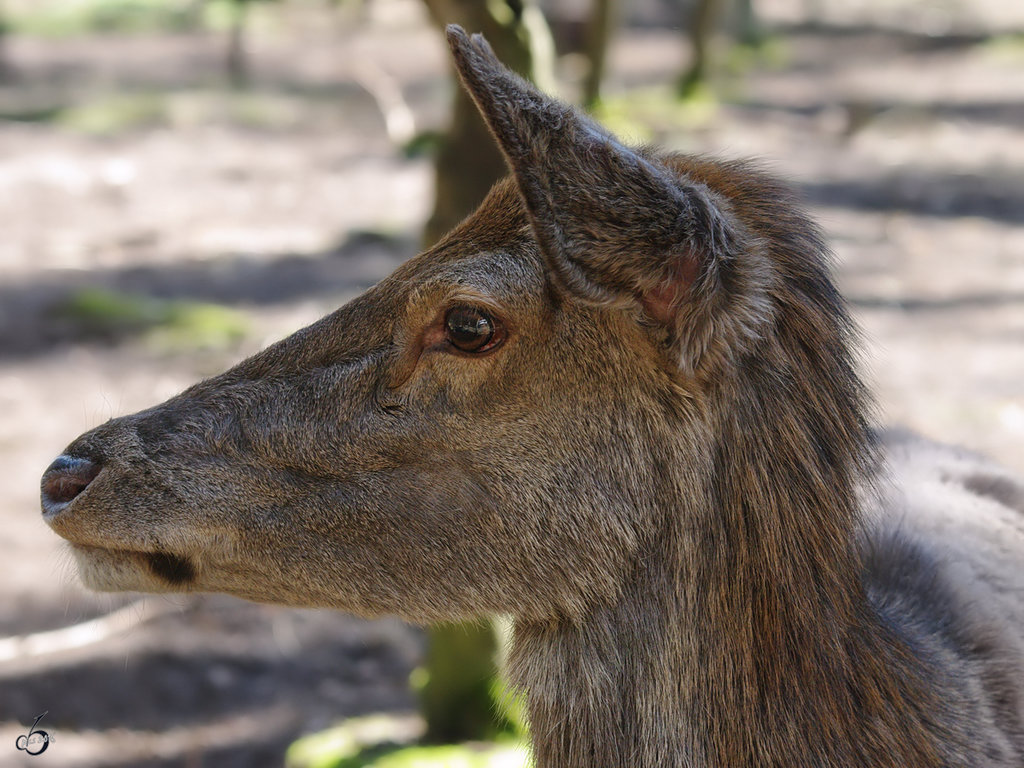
[[183, 182]]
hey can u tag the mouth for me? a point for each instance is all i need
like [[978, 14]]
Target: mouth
[[118, 570]]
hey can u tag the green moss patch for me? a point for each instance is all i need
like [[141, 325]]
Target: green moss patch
[[382, 741], [99, 314]]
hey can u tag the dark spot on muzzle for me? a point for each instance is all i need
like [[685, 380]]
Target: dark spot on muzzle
[[173, 569]]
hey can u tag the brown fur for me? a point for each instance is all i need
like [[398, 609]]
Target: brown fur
[[664, 474]]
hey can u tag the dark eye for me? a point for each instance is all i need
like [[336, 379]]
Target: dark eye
[[470, 329]]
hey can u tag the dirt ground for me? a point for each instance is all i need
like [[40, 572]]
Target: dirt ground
[[905, 136]]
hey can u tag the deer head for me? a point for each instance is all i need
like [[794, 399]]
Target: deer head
[[505, 424]]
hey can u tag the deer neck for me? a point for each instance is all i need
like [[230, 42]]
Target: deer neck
[[604, 690], [743, 639]]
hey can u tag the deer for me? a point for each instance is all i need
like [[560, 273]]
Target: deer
[[621, 404]]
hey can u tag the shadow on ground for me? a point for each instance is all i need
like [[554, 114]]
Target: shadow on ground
[[32, 321], [259, 675]]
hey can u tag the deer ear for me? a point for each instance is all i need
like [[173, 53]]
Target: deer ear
[[616, 225]]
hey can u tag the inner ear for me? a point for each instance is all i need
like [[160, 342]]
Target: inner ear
[[663, 300]]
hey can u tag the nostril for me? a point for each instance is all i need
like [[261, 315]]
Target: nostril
[[63, 480]]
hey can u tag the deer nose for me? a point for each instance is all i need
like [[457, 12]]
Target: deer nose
[[63, 480]]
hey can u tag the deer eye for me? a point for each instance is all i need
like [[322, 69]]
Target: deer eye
[[471, 330]]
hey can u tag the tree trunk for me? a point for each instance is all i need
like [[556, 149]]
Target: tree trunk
[[457, 700], [6, 70], [237, 61], [599, 30], [748, 29], [700, 31], [469, 162]]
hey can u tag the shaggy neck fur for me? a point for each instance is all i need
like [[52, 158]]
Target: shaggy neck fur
[[713, 658], [744, 637]]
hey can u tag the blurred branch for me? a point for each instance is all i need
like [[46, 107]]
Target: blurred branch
[[85, 633], [387, 93]]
